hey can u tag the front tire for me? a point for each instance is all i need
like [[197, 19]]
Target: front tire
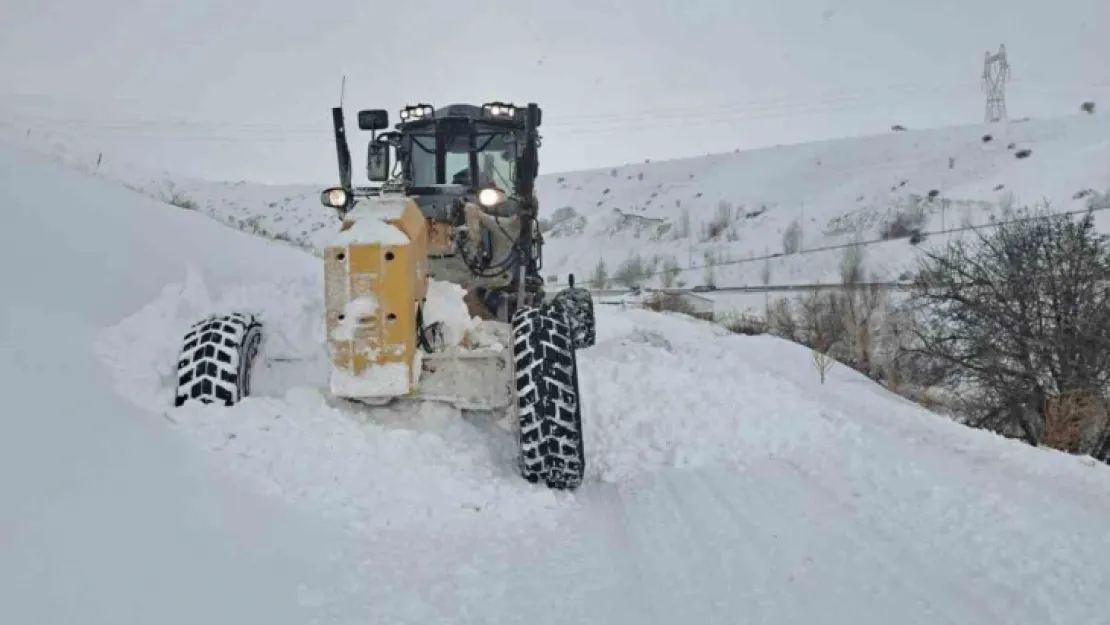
[[548, 409], [217, 357]]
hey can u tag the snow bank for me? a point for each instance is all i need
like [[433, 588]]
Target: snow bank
[[411, 466], [667, 391], [105, 516]]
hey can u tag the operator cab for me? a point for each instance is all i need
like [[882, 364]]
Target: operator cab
[[457, 152], [471, 170]]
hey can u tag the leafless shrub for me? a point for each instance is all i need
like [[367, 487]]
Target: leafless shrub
[[1017, 318], [683, 227], [781, 320], [670, 271], [905, 222], [749, 325], [1071, 417], [661, 301], [631, 272], [792, 238], [600, 277], [722, 223], [843, 323], [179, 198]]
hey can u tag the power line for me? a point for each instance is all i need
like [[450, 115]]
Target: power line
[[719, 113], [842, 246]]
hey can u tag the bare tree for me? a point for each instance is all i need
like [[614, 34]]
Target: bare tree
[[709, 274], [631, 272], [821, 321], [1019, 315], [792, 238], [860, 303], [600, 277], [670, 272], [822, 362], [765, 278]]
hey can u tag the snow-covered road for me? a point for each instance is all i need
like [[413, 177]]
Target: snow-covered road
[[773, 543], [725, 483]]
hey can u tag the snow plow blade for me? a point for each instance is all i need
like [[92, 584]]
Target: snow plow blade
[[467, 379]]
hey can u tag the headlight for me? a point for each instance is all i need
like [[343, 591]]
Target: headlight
[[335, 198], [490, 197]]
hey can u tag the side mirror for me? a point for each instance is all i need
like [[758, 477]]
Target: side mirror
[[375, 119], [377, 161]]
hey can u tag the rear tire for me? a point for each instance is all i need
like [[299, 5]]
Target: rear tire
[[548, 409], [217, 358], [578, 306]]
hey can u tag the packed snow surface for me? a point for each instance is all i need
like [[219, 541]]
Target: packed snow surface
[[725, 482]]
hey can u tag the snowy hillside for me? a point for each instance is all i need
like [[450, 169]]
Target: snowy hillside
[[727, 208], [716, 213], [725, 482]]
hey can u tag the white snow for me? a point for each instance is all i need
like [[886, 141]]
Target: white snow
[[369, 223], [105, 516], [365, 305], [444, 303], [725, 482], [370, 230], [387, 379]]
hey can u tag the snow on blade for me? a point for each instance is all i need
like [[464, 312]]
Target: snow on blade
[[444, 303], [369, 223], [386, 380]]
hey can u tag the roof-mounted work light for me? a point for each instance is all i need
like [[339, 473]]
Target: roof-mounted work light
[[417, 112], [499, 109]]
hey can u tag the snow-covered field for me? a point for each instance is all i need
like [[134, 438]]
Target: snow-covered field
[[725, 482], [670, 213]]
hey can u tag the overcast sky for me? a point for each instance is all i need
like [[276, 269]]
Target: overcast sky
[[240, 89]]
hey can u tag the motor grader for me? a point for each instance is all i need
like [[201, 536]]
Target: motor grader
[[432, 286]]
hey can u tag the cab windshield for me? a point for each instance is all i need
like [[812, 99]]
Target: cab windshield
[[494, 151]]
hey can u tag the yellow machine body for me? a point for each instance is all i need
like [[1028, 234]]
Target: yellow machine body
[[375, 278]]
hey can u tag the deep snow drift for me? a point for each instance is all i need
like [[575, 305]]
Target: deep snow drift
[[725, 482], [105, 516]]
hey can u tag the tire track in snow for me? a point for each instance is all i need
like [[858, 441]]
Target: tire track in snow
[[743, 563], [611, 504], [958, 569], [894, 550], [841, 562]]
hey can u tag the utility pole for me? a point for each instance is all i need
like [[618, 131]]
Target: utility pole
[[996, 73]]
